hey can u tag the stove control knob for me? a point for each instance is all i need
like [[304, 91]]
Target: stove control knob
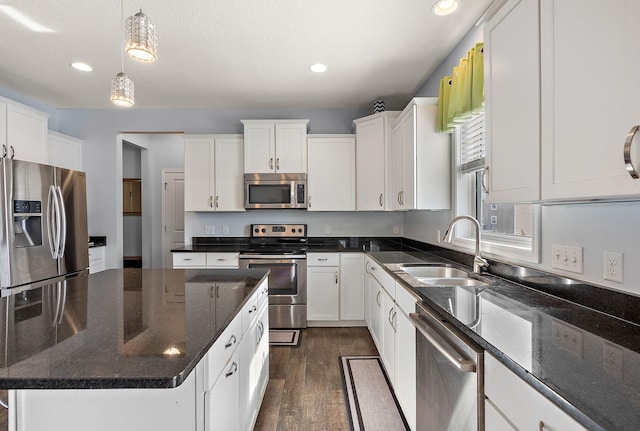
[[293, 230], [256, 230], [299, 230], [264, 230]]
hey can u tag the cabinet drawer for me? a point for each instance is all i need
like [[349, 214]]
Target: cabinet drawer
[[221, 351], [323, 259], [263, 295], [384, 278], [509, 393], [187, 260], [405, 299], [222, 260]]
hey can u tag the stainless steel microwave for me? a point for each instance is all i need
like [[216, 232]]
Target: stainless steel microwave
[[271, 191]]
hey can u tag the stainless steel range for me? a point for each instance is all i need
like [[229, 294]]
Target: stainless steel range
[[281, 248]]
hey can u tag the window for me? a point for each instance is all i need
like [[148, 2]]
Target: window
[[508, 230]]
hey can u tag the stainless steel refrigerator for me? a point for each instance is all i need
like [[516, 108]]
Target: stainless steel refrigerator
[[43, 223]]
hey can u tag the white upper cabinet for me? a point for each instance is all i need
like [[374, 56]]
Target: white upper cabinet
[[65, 151], [23, 132], [331, 179], [275, 146], [213, 175], [373, 182], [590, 87], [420, 159], [512, 96]]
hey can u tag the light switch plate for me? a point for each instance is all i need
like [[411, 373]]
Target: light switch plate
[[568, 258], [209, 230]]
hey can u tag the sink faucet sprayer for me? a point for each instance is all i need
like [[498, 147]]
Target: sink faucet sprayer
[[479, 263]]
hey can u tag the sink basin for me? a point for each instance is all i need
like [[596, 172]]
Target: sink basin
[[442, 275], [452, 281], [434, 272]]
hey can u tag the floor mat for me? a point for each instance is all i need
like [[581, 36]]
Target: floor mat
[[284, 337], [370, 400]]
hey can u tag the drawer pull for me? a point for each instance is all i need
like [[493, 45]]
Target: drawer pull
[[232, 370], [322, 259], [541, 426], [253, 308], [231, 342], [627, 154], [187, 259]]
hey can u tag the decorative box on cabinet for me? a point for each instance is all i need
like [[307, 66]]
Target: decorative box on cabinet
[[331, 179], [23, 132], [213, 176], [420, 159], [275, 146], [373, 170]]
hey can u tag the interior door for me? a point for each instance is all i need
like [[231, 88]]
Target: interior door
[[172, 215]]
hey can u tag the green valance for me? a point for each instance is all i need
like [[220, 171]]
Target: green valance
[[462, 94]]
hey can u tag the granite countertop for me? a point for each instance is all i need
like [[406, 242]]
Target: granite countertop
[[558, 347], [127, 328]]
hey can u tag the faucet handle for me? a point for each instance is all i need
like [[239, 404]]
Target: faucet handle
[[480, 263]]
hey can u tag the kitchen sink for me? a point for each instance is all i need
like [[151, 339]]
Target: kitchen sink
[[441, 275]]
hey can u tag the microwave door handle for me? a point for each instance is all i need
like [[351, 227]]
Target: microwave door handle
[[63, 223]]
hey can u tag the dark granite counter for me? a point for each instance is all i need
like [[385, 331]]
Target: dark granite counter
[[587, 362], [131, 328]]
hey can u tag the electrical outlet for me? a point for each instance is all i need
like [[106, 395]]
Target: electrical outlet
[[613, 266], [566, 257], [225, 230], [396, 230], [567, 337], [209, 230], [438, 236], [613, 360], [327, 229]]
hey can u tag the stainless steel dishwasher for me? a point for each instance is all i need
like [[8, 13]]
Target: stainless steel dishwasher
[[449, 376]]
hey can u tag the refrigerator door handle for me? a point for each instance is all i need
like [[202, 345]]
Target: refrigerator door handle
[[52, 222], [62, 223]]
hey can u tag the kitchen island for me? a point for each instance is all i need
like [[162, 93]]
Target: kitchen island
[[137, 349]]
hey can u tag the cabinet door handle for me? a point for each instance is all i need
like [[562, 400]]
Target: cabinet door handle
[[485, 171], [389, 317], [402, 198], [380, 199], [394, 321], [278, 164], [231, 342], [627, 154], [217, 198], [232, 370], [4, 151], [210, 201], [398, 199], [271, 163], [13, 151], [378, 299], [336, 277], [309, 201], [541, 426]]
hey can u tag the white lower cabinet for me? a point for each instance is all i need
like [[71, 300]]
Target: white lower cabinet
[[335, 287], [201, 260], [97, 259], [388, 351], [506, 398], [405, 359], [222, 401]]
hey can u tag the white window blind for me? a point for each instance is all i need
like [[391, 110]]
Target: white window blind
[[472, 147]]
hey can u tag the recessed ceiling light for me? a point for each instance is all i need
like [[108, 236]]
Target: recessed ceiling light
[[24, 20], [84, 67], [445, 7], [318, 68]]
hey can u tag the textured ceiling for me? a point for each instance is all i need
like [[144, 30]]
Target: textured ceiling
[[233, 54]]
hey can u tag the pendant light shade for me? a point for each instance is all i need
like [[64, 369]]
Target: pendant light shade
[[141, 39], [122, 90]]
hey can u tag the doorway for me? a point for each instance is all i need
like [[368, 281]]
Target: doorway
[[172, 214], [131, 205]]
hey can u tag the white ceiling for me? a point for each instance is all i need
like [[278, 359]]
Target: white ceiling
[[233, 54]]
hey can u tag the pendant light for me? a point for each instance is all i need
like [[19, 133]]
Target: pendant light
[[142, 42], [121, 85]]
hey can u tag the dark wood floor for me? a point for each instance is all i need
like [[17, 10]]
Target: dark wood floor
[[305, 386]]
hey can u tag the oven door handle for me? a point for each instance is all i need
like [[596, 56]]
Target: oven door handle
[[463, 365], [272, 256]]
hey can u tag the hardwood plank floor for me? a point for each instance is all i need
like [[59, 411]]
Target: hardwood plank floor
[[305, 385]]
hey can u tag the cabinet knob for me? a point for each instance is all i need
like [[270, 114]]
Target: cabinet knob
[[271, 163], [380, 199], [278, 164]]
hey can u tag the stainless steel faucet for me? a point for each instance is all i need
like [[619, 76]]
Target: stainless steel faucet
[[479, 263]]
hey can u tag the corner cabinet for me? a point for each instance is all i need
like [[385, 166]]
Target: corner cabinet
[[512, 103], [589, 110], [331, 179], [23, 132], [213, 175], [420, 159], [275, 146], [373, 141]]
